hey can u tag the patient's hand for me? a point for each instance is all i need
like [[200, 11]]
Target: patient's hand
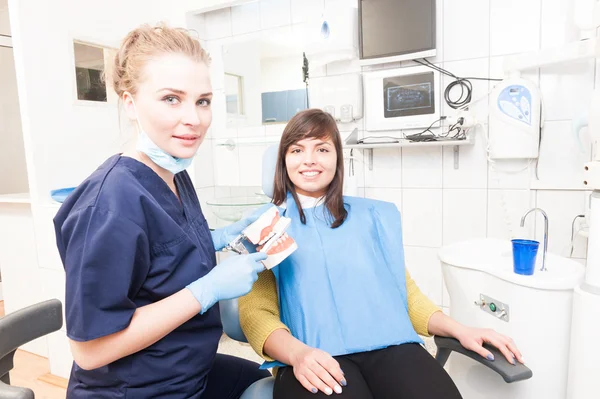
[[317, 370], [473, 339]]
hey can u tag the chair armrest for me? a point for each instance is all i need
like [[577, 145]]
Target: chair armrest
[[230, 318], [10, 392], [23, 326], [508, 371]]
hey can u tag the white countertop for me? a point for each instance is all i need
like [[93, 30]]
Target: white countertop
[[18, 198]]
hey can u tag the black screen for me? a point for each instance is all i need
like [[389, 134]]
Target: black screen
[[408, 95], [395, 27]]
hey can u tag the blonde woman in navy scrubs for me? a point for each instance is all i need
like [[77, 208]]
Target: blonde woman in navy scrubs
[[141, 282]]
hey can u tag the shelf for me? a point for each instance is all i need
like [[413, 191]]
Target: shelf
[[541, 185], [407, 143], [18, 198], [351, 143]]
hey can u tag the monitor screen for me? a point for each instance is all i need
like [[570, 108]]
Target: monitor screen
[[395, 27], [408, 95]]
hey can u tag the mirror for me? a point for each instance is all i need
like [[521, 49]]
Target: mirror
[[263, 82]]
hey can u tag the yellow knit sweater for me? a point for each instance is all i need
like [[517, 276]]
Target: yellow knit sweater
[[259, 311]]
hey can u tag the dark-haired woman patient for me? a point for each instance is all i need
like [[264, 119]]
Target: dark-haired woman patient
[[342, 315]]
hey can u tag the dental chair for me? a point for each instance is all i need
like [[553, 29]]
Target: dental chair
[[18, 328], [263, 389]]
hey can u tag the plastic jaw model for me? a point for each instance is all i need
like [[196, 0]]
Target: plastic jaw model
[[267, 234]]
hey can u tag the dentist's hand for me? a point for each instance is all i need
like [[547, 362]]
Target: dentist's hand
[[222, 237], [230, 279]]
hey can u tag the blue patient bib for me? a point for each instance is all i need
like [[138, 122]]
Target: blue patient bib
[[344, 290]]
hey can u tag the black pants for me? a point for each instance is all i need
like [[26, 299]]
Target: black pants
[[399, 372], [230, 376]]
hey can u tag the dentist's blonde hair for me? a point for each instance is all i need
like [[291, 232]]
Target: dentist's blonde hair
[[145, 42]]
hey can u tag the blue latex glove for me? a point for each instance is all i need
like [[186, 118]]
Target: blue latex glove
[[223, 236], [230, 279]]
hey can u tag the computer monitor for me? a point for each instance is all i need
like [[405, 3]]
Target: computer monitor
[[396, 30]]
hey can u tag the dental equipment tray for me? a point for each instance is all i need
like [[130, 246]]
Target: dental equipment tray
[[509, 372]]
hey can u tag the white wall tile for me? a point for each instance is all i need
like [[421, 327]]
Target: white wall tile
[[251, 165], [497, 72], [507, 34], [466, 29], [510, 174], [558, 26], [343, 67], [245, 18], [217, 69], [393, 195], [472, 163], [218, 23], [251, 131], [306, 10], [561, 157], [197, 23], [422, 167], [505, 209], [425, 269], [274, 13], [275, 129], [561, 207], [387, 168], [204, 169], [567, 89], [422, 217], [477, 68], [354, 173], [464, 215], [227, 163]]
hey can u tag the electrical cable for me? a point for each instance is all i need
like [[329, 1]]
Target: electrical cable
[[466, 87], [573, 233]]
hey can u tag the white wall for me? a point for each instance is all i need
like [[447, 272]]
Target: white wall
[[4, 20], [279, 74], [441, 204], [12, 163]]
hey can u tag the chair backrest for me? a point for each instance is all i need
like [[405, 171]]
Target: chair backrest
[[269, 162], [20, 327], [230, 317]]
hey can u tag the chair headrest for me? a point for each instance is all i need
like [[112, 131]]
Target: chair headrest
[[269, 162]]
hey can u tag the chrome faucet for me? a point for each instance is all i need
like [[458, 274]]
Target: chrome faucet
[[545, 232]]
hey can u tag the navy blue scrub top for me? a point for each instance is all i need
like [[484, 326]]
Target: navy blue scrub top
[[126, 241]]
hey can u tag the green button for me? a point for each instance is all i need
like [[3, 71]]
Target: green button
[[493, 307]]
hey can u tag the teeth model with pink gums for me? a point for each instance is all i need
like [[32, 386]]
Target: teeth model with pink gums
[[267, 234]]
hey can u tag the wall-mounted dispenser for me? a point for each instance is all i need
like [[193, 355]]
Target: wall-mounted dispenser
[[332, 35], [341, 96]]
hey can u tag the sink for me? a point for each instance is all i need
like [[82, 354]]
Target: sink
[[233, 209]]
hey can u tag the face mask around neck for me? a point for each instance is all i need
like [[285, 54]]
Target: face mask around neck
[[155, 153]]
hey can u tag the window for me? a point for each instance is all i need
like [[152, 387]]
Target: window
[[234, 94], [91, 62]]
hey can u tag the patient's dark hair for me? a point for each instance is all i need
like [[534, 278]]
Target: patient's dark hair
[[311, 124]]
